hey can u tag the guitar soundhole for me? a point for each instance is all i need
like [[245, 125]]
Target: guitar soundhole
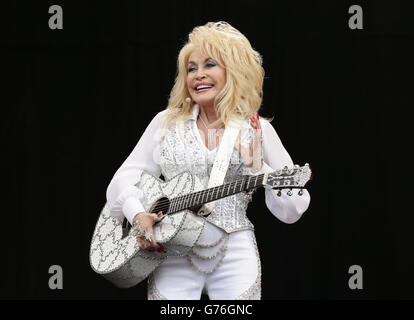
[[162, 204]]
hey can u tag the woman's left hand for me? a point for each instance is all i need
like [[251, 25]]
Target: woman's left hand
[[252, 155]]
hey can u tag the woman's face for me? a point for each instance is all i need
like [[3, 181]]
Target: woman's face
[[205, 72]]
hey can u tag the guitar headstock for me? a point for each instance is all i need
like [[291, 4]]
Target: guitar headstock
[[297, 177]]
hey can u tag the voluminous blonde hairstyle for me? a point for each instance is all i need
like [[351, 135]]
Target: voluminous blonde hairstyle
[[242, 94]]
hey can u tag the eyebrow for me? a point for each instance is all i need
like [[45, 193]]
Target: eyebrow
[[192, 62]]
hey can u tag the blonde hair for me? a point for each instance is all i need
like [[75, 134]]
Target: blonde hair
[[242, 94]]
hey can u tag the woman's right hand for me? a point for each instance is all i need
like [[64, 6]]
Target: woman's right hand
[[143, 223]]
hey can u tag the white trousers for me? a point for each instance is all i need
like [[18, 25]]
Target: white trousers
[[236, 275]]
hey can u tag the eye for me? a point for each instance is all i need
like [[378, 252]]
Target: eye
[[211, 64], [191, 69]]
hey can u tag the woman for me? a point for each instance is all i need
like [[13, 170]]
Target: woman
[[220, 78]]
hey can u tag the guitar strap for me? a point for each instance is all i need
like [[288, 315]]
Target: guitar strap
[[221, 162]]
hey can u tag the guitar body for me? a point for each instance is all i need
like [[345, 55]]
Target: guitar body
[[114, 251]]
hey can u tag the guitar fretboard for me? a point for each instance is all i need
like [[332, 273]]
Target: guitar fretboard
[[196, 199]]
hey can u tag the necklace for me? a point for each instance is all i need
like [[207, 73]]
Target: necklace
[[204, 124]]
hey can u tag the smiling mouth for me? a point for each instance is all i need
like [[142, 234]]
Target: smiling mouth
[[203, 88]]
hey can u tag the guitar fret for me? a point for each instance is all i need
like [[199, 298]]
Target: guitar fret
[[173, 205], [180, 206], [185, 200], [170, 208], [177, 204], [246, 183], [208, 195], [190, 200]]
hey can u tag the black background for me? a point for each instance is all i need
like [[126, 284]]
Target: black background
[[74, 103]]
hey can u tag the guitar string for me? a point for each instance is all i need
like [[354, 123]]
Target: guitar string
[[165, 203], [233, 185], [214, 189]]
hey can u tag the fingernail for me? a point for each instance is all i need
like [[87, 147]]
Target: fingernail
[[257, 116], [253, 119]]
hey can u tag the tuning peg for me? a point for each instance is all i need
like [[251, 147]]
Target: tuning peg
[[300, 192], [279, 193], [289, 193]]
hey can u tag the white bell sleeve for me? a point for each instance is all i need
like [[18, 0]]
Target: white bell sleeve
[[123, 197], [286, 208]]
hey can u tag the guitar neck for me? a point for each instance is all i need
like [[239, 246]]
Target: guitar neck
[[199, 198]]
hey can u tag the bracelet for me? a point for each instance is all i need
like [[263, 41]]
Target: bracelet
[[136, 226]]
